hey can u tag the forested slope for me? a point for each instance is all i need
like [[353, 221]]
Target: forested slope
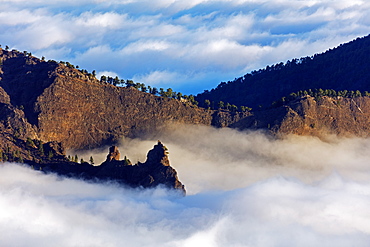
[[343, 68]]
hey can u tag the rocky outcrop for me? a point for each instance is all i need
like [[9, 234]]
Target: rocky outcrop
[[113, 154], [155, 171], [224, 118], [315, 117]]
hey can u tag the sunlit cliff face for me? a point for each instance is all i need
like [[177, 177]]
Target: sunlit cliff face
[[244, 189]]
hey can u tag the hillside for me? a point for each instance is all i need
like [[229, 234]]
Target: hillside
[[314, 116], [342, 68], [63, 104]]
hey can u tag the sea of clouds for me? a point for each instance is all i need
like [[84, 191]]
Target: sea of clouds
[[188, 45], [244, 189]]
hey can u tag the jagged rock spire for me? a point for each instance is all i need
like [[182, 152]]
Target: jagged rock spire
[[155, 171], [159, 154], [113, 154]]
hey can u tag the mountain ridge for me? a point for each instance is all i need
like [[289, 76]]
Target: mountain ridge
[[66, 105], [342, 68]]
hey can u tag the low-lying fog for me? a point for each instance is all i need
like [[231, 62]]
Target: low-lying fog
[[244, 189]]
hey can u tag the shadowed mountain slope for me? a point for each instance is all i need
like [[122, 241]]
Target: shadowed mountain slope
[[343, 68]]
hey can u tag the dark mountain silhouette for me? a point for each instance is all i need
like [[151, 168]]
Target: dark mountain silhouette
[[155, 171], [343, 68]]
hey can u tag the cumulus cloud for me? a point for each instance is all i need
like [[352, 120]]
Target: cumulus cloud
[[106, 20], [221, 39], [159, 78], [245, 189]]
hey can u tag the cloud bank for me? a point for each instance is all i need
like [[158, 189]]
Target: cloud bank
[[245, 189], [186, 45]]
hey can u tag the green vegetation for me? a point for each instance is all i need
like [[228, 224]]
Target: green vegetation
[[30, 143], [9, 155], [224, 106], [127, 162], [317, 93], [50, 155], [91, 160], [168, 93]]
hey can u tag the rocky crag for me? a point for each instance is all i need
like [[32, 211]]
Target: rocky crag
[[155, 171], [314, 116]]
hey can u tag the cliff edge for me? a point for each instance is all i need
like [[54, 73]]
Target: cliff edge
[[315, 117]]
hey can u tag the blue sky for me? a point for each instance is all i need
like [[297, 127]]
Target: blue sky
[[187, 45]]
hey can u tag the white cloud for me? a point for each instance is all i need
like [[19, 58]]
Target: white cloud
[[245, 189], [12, 18], [104, 20], [106, 73], [141, 46], [156, 78], [230, 159]]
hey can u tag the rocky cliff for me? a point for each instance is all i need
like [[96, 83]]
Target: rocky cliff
[[66, 105], [315, 117]]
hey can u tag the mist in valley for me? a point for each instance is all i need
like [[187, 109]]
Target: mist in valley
[[243, 189]]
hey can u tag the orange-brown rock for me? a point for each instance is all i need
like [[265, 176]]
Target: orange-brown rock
[[113, 154], [66, 105], [315, 117]]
